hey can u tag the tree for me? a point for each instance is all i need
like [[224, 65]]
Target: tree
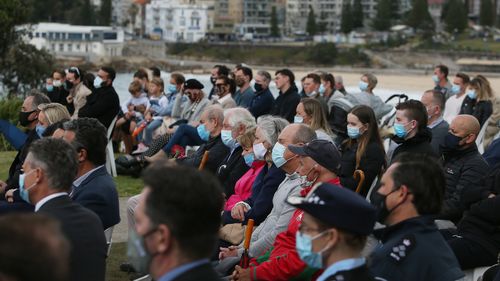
[[357, 14], [395, 10], [382, 21], [486, 13], [322, 25], [311, 27], [346, 24], [456, 17], [419, 17], [105, 12], [275, 31], [86, 16], [132, 11]]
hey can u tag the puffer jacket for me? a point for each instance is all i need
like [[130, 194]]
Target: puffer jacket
[[419, 144], [480, 109], [464, 171]]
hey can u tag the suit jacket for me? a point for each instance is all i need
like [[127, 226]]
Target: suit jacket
[[98, 193], [203, 272], [83, 230], [103, 104], [231, 170]]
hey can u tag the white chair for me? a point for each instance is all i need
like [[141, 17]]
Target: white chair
[[480, 137], [143, 278], [374, 183], [108, 233], [110, 155]]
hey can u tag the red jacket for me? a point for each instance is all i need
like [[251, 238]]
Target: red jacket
[[284, 263]]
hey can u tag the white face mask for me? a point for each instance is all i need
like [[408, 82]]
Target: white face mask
[[259, 151]]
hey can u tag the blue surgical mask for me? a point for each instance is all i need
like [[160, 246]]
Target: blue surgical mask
[[471, 94], [227, 138], [40, 130], [303, 245], [435, 78], [171, 88], [49, 88], [248, 159], [321, 89], [353, 132], [363, 86], [298, 119], [455, 89], [400, 130], [202, 132], [97, 82], [278, 155], [24, 192]]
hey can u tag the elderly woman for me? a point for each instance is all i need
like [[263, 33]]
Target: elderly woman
[[50, 113], [260, 203]]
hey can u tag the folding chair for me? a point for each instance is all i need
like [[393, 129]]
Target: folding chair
[[110, 155], [108, 233], [480, 137]]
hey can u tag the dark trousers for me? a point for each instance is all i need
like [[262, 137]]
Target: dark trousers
[[469, 253]]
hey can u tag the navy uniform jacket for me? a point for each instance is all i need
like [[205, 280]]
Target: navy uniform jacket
[[414, 250], [98, 193]]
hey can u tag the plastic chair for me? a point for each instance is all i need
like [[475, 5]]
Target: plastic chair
[[110, 155], [108, 233], [372, 187], [480, 137]]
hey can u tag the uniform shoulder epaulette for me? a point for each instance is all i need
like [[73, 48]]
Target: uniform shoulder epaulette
[[402, 249]]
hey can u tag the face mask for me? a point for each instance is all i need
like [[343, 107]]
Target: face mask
[[40, 130], [452, 142], [298, 119], [471, 94], [202, 132], [23, 118], [353, 132], [312, 94], [363, 86], [213, 80], [97, 82], [378, 200], [137, 252], [171, 88], [278, 155], [68, 85], [227, 138], [24, 192], [258, 87], [435, 78], [49, 88], [248, 159], [259, 151], [455, 89], [400, 130], [57, 83], [303, 180], [303, 245], [321, 89]]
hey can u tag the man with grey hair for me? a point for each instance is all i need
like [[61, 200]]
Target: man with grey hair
[[278, 220], [237, 121], [28, 117], [263, 100], [49, 170], [434, 102]]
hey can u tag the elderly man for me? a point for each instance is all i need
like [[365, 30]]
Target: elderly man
[[93, 188], [411, 246], [277, 221], [237, 121], [464, 167], [434, 104], [178, 219], [319, 162], [49, 170], [263, 101]]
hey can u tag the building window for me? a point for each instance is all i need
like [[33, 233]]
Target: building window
[[70, 47], [78, 47], [75, 36], [53, 47], [183, 21], [61, 47]]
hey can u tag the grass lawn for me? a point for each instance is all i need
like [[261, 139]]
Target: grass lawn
[[116, 257], [479, 45]]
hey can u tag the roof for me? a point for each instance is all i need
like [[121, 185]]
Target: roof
[[63, 27]]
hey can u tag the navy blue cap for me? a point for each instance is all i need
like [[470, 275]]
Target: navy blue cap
[[193, 84], [338, 207], [325, 153]]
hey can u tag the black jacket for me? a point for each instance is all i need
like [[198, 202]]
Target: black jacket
[[262, 103], [85, 234], [371, 164], [217, 151], [203, 272], [231, 170], [286, 104], [360, 273], [482, 110], [103, 104], [419, 144], [58, 95], [15, 167], [464, 171]]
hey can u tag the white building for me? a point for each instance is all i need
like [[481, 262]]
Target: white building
[[89, 42], [173, 22]]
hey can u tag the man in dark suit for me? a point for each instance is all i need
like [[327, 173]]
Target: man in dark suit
[[103, 104], [94, 188], [177, 224], [49, 170]]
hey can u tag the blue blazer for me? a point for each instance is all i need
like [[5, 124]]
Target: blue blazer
[[98, 193]]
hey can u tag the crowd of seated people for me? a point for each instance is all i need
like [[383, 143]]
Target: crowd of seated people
[[325, 202]]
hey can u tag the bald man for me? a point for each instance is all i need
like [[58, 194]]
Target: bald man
[[464, 167]]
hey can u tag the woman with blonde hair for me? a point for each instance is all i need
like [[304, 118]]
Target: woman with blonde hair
[[479, 99], [49, 114], [310, 112]]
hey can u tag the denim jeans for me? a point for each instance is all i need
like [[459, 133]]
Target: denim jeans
[[149, 130], [184, 135]]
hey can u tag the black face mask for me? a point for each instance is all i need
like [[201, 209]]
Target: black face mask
[[68, 85], [212, 80], [378, 200], [451, 142], [258, 87], [24, 118]]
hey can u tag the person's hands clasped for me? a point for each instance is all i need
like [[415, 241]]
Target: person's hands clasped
[[9, 195], [238, 212], [241, 274], [231, 251]]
